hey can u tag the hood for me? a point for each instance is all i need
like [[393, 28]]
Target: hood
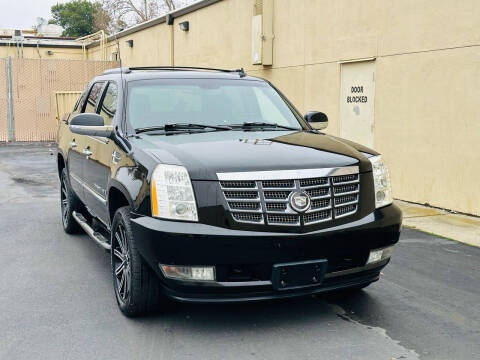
[[206, 154]]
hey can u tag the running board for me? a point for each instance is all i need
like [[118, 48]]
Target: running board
[[96, 236]]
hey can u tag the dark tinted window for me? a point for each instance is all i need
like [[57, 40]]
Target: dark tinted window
[[93, 97], [81, 100], [78, 103], [109, 103]]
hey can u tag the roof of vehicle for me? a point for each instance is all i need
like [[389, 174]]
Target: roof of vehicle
[[131, 74]]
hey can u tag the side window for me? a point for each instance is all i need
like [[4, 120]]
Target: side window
[[93, 97], [80, 101], [109, 103]]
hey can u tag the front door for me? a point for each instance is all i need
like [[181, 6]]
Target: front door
[[75, 161], [94, 198], [357, 103], [75, 156], [98, 165]]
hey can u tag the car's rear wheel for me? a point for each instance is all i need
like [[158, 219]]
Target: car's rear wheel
[[137, 287], [68, 203]]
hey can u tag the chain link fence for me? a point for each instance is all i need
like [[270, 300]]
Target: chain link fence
[[28, 110], [3, 101]]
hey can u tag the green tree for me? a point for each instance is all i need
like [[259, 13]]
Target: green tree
[[80, 17]]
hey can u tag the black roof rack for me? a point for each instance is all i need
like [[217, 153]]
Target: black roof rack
[[118, 70], [127, 70]]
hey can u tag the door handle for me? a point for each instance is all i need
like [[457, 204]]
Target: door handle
[[73, 144], [87, 152]]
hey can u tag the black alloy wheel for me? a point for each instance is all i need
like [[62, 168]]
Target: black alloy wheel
[[137, 286], [121, 263]]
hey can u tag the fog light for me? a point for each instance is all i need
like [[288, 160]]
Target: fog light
[[379, 255], [197, 273]]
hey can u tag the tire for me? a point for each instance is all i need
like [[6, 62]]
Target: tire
[[68, 204], [139, 292]]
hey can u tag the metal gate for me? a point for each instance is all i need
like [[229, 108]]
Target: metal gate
[[27, 94]]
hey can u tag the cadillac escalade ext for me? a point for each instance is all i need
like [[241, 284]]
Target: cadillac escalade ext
[[208, 185]]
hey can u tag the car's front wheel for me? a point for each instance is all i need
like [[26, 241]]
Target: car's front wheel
[[137, 287]]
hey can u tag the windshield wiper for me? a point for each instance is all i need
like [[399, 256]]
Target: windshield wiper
[[259, 124], [181, 126]]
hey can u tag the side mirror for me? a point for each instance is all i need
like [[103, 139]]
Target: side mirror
[[316, 119], [90, 124]]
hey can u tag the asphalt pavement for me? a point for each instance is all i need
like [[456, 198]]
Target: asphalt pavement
[[57, 302]]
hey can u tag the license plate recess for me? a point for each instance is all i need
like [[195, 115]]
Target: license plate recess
[[300, 274]]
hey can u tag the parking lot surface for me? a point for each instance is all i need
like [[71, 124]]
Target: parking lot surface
[[57, 301]]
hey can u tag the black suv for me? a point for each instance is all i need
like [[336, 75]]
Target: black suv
[[207, 185]]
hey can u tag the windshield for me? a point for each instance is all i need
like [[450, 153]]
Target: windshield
[[153, 103]]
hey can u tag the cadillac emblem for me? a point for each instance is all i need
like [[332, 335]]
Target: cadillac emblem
[[300, 201]]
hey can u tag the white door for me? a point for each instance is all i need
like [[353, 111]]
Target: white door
[[357, 96]]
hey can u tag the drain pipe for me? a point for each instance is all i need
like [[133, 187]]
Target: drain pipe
[[38, 49], [169, 19]]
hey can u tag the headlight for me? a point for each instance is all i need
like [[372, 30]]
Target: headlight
[[381, 179], [172, 194]]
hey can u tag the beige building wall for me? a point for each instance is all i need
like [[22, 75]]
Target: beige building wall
[[427, 57], [150, 46], [41, 52]]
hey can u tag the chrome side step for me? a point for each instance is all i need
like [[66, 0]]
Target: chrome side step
[[96, 236]]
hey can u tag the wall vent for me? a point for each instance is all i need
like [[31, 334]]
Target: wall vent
[[258, 7]]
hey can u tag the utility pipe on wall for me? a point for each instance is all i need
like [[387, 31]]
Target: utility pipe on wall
[[169, 19], [172, 47]]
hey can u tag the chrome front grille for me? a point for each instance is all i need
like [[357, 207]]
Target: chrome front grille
[[276, 195], [319, 193], [276, 207], [321, 204], [238, 184], [318, 216], [283, 219], [278, 184], [245, 206], [241, 195], [256, 198], [248, 217], [304, 183]]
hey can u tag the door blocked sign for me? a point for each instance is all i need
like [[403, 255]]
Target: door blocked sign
[[357, 102]]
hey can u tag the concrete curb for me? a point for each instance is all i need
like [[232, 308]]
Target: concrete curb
[[457, 227]]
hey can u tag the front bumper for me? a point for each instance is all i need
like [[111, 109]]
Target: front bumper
[[346, 248]]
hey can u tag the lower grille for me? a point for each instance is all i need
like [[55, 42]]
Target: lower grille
[[317, 216], [268, 201], [248, 217], [346, 210], [283, 219]]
